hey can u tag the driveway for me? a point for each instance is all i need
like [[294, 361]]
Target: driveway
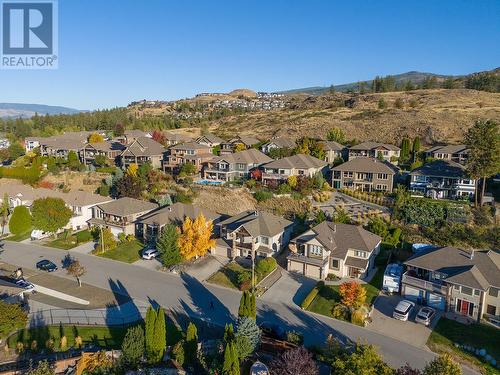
[[291, 288], [409, 331], [152, 264], [201, 269]]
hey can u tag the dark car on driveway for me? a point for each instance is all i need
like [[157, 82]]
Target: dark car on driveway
[[46, 265]]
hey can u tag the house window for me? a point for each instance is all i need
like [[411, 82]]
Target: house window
[[264, 240], [240, 166], [301, 172], [476, 292], [467, 290], [381, 187], [361, 254], [315, 250], [382, 176], [335, 264], [456, 287], [491, 310], [493, 292]]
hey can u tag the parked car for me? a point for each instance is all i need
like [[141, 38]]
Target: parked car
[[37, 234], [46, 265], [273, 330], [425, 316], [402, 310], [25, 284], [149, 253]]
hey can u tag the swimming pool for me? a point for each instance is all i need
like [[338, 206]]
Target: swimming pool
[[209, 182]]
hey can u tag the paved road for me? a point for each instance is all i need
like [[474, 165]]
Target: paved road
[[187, 295]]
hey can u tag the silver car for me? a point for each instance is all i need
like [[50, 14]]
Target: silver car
[[402, 310], [149, 253], [425, 316]]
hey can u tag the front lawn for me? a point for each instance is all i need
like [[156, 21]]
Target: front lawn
[[20, 237], [127, 252], [448, 332], [68, 242], [236, 276]]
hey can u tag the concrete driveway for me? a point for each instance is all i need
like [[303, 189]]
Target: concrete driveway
[[201, 269], [409, 331], [151, 264]]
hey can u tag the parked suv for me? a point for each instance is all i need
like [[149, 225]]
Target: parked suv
[[402, 310], [425, 316]]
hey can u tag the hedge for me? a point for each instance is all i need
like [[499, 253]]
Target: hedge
[[20, 222], [312, 295]]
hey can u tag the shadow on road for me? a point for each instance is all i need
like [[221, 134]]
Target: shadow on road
[[125, 311]]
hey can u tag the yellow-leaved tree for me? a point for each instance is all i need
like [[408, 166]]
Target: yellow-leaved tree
[[132, 170], [239, 147], [95, 138], [195, 239]]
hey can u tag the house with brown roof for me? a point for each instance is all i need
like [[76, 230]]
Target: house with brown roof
[[364, 174], [383, 151], [143, 150], [342, 249], [463, 282], [234, 166], [120, 215], [172, 139], [191, 152], [257, 232], [209, 140], [334, 151], [131, 135], [110, 150], [456, 153], [277, 143], [150, 225], [241, 141], [295, 165]]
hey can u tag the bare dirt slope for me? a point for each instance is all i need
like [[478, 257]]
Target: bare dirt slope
[[223, 200]]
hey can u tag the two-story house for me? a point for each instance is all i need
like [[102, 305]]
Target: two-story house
[[150, 225], [334, 151], [442, 179], [141, 151], [234, 166], [110, 150], [377, 150], [172, 139], [30, 143], [239, 142], [456, 153], [259, 232], [191, 152], [455, 280], [364, 174], [295, 165], [120, 215], [209, 140], [131, 135], [342, 249], [277, 143]]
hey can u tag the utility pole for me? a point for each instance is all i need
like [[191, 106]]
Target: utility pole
[[102, 240], [253, 266]]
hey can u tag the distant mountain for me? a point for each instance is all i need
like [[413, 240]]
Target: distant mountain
[[414, 77], [23, 110]]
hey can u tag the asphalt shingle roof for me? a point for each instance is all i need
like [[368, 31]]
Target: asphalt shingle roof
[[440, 168], [176, 214], [127, 206], [257, 223], [366, 165], [374, 145], [299, 161], [250, 156]]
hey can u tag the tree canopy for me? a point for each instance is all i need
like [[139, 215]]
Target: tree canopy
[[50, 214]]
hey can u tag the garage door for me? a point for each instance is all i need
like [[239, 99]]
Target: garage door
[[413, 294], [436, 301], [296, 266], [313, 271]]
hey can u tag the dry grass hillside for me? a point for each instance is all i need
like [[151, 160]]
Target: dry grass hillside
[[435, 115]]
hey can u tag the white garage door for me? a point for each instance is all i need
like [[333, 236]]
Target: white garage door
[[412, 294], [436, 301]]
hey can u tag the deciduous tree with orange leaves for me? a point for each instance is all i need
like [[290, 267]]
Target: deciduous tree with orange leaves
[[195, 239], [352, 294]]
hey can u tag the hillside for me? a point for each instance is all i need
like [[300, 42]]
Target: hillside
[[28, 110], [435, 115]]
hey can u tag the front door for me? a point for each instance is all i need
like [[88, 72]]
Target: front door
[[354, 272], [465, 308]]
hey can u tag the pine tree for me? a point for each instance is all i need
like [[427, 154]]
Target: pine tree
[[229, 333], [416, 145], [150, 330], [191, 342], [231, 362], [244, 304], [252, 306], [160, 335], [405, 149]]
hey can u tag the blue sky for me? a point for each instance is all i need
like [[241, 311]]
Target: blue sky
[[114, 51]]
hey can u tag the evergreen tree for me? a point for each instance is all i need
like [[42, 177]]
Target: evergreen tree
[[191, 348], [228, 333], [160, 335], [244, 304], [248, 337], [252, 306], [231, 361], [405, 149], [150, 331], [133, 346], [167, 245], [416, 145]]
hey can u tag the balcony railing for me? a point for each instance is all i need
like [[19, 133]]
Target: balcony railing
[[424, 284]]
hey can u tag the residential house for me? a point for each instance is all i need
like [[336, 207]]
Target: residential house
[[4, 143], [365, 174], [239, 142], [341, 249], [172, 139], [30, 143], [456, 153], [80, 202], [334, 151], [151, 224], [383, 151], [449, 279], [120, 215], [295, 165], [61, 146], [250, 231], [209, 140], [234, 166], [143, 150], [110, 150], [277, 143], [131, 135], [183, 153], [442, 179]]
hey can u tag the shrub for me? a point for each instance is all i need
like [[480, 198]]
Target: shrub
[[358, 317], [83, 236], [340, 312], [284, 189], [312, 295], [20, 222], [265, 266], [121, 237], [332, 277], [133, 346], [262, 195], [178, 352], [130, 238], [294, 337]]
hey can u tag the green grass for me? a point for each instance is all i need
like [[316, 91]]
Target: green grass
[[447, 332], [227, 276], [20, 237], [72, 241], [106, 169], [127, 252]]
